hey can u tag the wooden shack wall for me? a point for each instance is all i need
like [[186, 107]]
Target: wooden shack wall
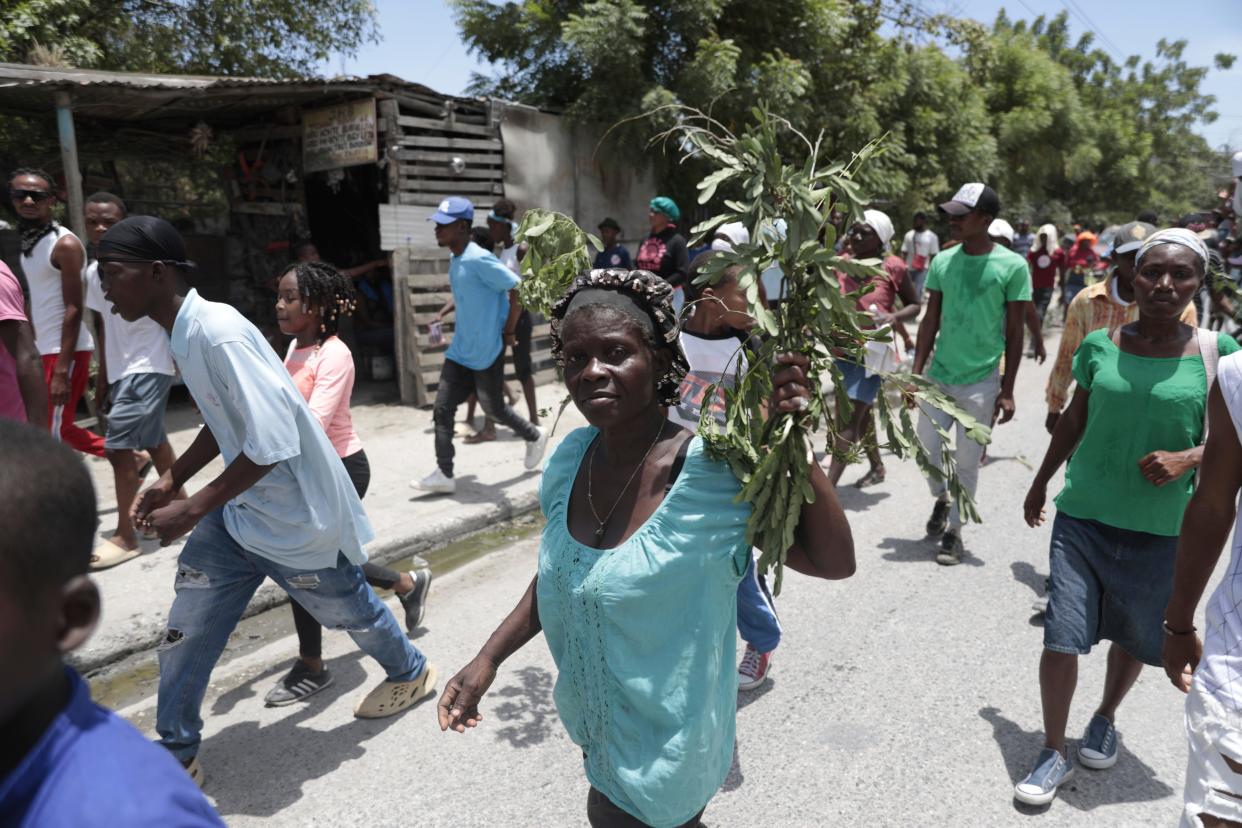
[[428, 137]]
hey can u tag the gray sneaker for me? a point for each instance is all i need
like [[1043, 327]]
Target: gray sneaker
[[950, 552], [1040, 785], [1098, 748], [415, 601], [298, 684]]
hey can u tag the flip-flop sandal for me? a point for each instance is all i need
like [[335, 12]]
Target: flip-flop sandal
[[391, 697], [109, 554], [871, 478], [479, 437]]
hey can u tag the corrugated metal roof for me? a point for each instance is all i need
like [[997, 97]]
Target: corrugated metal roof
[[173, 99]]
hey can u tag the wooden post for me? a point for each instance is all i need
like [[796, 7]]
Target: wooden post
[[388, 113], [400, 262], [69, 161]]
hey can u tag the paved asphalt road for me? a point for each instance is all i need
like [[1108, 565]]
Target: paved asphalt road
[[905, 696]]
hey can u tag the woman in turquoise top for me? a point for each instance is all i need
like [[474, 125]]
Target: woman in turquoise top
[[1135, 430], [640, 562]]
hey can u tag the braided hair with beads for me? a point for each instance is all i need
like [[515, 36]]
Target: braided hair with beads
[[326, 289]]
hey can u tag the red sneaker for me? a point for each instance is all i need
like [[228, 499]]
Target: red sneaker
[[754, 669]]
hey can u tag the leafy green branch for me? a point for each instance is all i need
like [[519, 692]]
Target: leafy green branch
[[786, 206]]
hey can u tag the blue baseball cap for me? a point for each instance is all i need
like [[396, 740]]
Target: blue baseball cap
[[453, 208]]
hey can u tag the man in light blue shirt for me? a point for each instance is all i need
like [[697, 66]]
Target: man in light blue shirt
[[486, 305], [283, 508]]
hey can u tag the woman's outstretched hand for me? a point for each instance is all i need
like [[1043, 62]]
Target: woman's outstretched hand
[[459, 703]]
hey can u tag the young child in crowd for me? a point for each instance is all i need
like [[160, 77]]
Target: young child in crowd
[[311, 299], [715, 339], [64, 760]]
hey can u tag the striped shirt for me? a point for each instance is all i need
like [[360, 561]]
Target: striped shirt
[[1093, 308]]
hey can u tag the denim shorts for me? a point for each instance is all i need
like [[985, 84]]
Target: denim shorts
[[136, 418], [860, 387], [1107, 583]]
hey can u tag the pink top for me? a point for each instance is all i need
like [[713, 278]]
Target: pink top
[[325, 376], [884, 296], [12, 307]]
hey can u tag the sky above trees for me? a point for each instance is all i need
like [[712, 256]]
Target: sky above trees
[[421, 42]]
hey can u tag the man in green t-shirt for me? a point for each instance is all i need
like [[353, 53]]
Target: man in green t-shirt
[[977, 294]]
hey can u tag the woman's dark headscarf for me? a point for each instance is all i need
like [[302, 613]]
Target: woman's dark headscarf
[[642, 296]]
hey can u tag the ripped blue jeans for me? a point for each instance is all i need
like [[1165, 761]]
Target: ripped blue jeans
[[216, 578]]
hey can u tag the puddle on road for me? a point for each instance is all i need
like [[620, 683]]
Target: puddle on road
[[138, 676]]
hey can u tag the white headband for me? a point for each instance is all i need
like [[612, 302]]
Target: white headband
[[1174, 235]]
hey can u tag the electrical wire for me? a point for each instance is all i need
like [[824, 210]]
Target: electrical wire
[[1103, 40]]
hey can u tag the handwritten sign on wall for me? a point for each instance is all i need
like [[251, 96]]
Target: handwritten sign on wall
[[339, 136]]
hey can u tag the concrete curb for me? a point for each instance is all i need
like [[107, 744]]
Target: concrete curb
[[382, 551]]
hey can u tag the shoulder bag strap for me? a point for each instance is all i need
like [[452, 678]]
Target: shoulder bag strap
[[1209, 349]]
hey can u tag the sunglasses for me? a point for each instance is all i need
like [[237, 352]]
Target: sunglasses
[[33, 195]]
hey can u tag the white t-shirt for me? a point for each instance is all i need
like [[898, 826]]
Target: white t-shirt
[[47, 298], [1220, 669], [924, 244], [509, 258], [713, 359], [129, 347]]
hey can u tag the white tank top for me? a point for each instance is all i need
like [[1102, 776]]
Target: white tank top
[[47, 301]]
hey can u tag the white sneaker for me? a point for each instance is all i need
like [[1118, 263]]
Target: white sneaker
[[437, 481], [535, 448]]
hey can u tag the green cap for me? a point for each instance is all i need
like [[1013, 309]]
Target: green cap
[[665, 205]]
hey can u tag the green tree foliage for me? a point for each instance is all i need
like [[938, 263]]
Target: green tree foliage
[[1123, 136], [263, 38], [1057, 125]]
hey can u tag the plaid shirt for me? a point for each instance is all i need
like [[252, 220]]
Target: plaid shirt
[[1093, 308]]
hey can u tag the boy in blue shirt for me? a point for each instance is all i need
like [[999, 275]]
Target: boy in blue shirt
[[64, 760], [487, 315], [283, 508]]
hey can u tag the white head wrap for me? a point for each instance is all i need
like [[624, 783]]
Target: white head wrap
[[880, 223], [734, 232], [1237, 164], [1174, 235], [1049, 232], [1001, 229]]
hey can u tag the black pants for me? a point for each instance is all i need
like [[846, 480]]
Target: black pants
[[457, 383], [310, 634], [602, 813], [1043, 297], [523, 366]]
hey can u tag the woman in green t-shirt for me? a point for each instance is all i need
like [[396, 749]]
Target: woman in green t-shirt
[[1135, 430]]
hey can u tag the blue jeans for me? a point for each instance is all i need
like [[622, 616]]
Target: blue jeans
[[918, 278], [216, 578], [756, 615]]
